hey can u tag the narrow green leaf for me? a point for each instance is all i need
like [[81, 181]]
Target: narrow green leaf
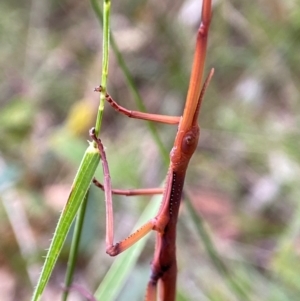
[[79, 189], [81, 213], [75, 245]]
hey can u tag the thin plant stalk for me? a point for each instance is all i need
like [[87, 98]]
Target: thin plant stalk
[[79, 187], [105, 62], [82, 211], [130, 83], [75, 246]]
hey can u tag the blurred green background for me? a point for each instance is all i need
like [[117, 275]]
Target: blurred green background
[[243, 180]]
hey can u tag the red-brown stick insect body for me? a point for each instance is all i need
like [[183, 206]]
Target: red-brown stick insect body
[[164, 268]]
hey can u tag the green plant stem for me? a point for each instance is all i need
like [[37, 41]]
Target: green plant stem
[[105, 60], [75, 246], [81, 213], [130, 82]]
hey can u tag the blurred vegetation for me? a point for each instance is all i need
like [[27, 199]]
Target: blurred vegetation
[[243, 180]]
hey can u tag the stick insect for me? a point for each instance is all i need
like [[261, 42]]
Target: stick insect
[[164, 268]]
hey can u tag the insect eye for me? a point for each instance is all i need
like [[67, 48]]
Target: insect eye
[[189, 140], [188, 143]]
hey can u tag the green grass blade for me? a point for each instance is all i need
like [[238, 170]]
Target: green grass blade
[[218, 263], [79, 189], [81, 213], [120, 270], [75, 245], [130, 82]]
